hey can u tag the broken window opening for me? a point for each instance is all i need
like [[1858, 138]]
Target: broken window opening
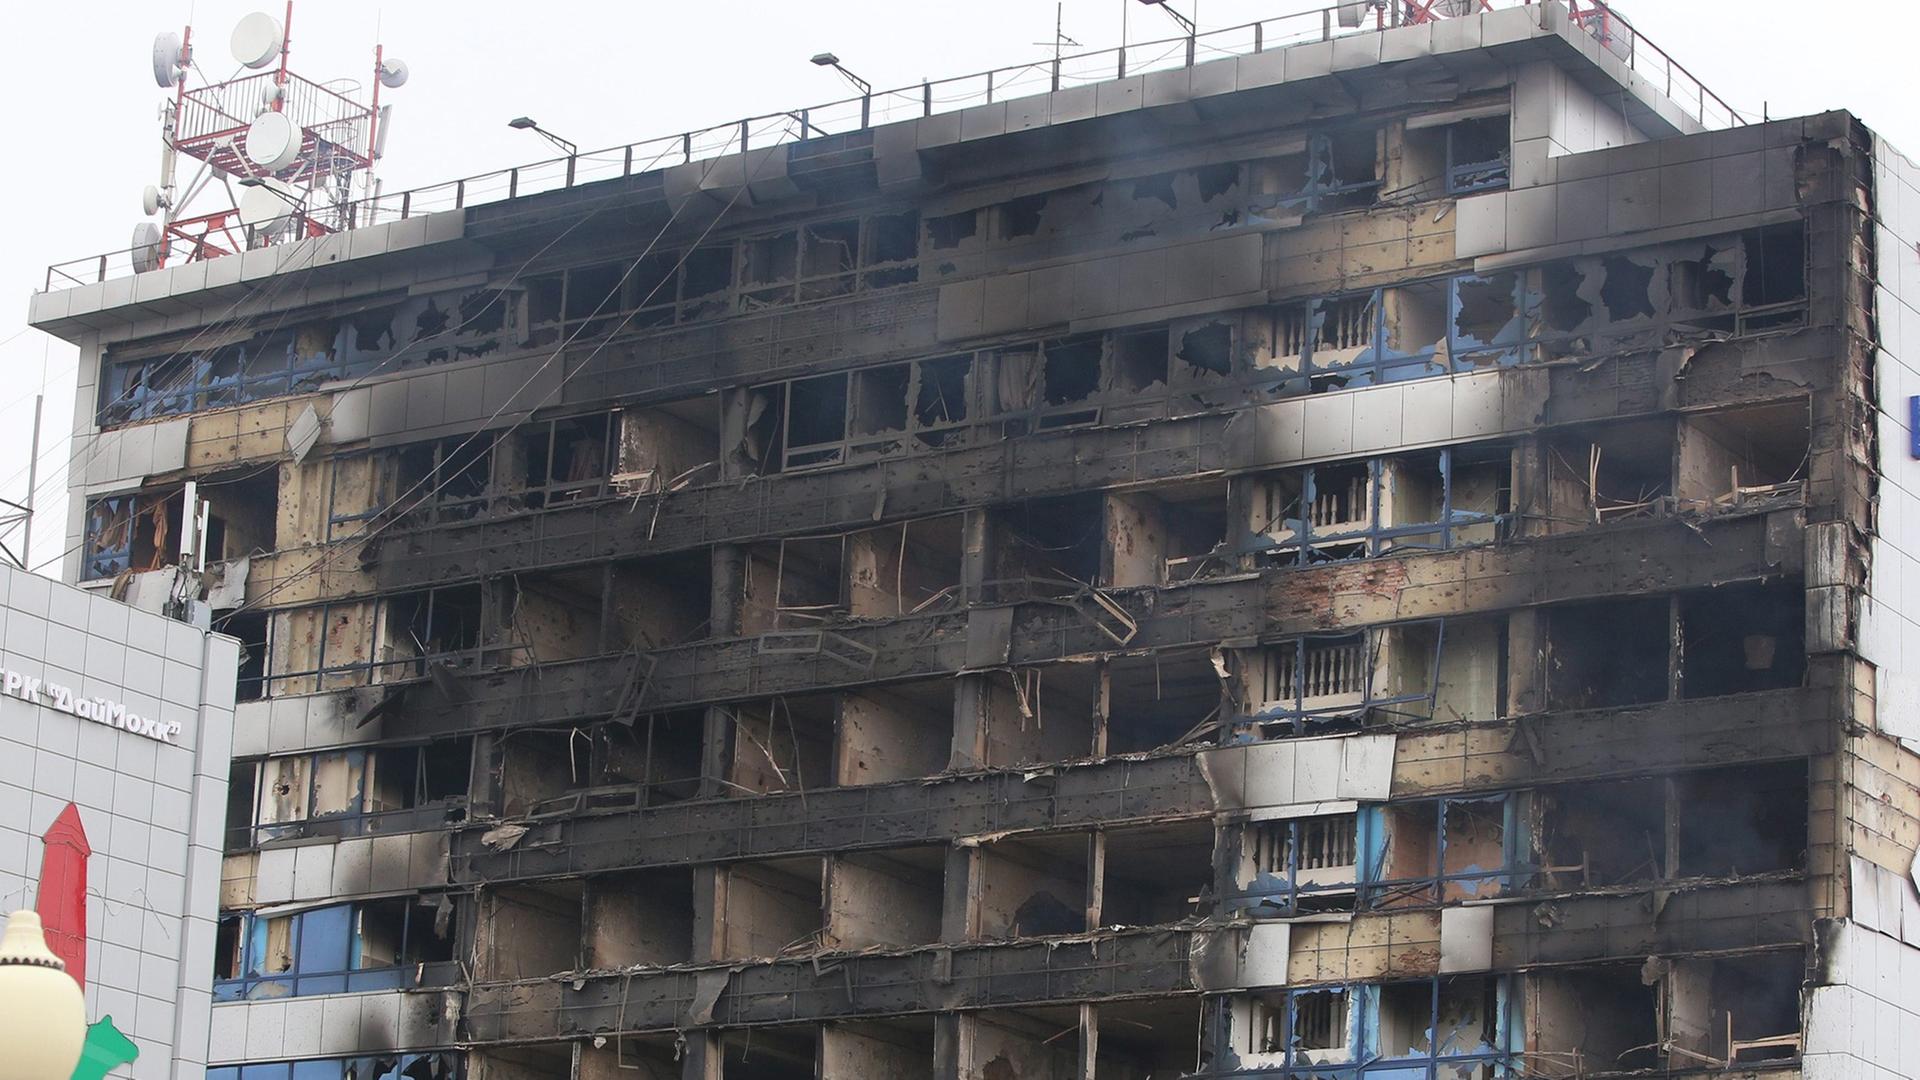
[[1166, 534], [1487, 317], [1479, 153], [880, 400], [1207, 350], [1742, 821], [1032, 886], [1424, 852], [1158, 188], [250, 627], [1427, 500], [345, 948], [1774, 286], [1617, 471], [1300, 1029], [1742, 638], [1070, 375], [1157, 875], [1140, 360], [951, 231], [794, 582], [1214, 181], [1608, 653], [1563, 308], [816, 421], [432, 1065], [894, 570], [1298, 866], [1165, 699], [769, 908], [1460, 1021], [829, 255], [560, 461], [1050, 545], [665, 447], [940, 398], [1735, 458], [344, 793], [1020, 216], [1626, 290], [433, 627], [443, 481]]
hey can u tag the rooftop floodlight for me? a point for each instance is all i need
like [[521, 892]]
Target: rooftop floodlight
[[1185, 23], [527, 123], [827, 59]]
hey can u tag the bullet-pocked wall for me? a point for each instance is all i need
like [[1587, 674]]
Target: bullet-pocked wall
[[115, 735]]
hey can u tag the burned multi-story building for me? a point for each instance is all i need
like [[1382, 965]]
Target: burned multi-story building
[[1350, 552]]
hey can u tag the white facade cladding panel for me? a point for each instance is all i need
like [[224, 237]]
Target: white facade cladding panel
[[90, 697]]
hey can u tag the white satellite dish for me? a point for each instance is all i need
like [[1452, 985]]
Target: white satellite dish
[[267, 205], [166, 58], [393, 74], [150, 200], [256, 40], [273, 142], [146, 247], [270, 94]]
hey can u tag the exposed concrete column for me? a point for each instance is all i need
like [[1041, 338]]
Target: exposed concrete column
[[1526, 662], [709, 912], [1085, 1068], [951, 1041], [729, 575], [703, 1060], [959, 910], [970, 717], [1096, 876]]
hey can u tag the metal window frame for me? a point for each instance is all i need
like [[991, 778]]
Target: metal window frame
[[296, 982], [1307, 547]]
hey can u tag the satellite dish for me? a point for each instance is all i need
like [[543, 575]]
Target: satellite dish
[[256, 40], [270, 94], [267, 206], [146, 247], [272, 141], [393, 74], [150, 200], [166, 58]]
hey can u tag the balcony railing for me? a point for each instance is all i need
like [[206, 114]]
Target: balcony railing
[[861, 113]]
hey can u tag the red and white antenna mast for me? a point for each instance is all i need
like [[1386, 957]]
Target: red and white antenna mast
[[294, 148]]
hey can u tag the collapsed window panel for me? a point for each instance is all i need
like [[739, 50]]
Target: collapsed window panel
[[551, 462], [637, 919], [892, 1046], [1149, 1039], [528, 931], [1608, 653], [1161, 700], [660, 753], [442, 481], [1038, 714], [1032, 886], [897, 732], [1710, 823], [282, 360], [1427, 500], [770, 907], [1337, 171], [889, 899], [345, 948], [794, 582], [1437, 851], [1020, 1043], [782, 744], [1298, 866], [1048, 545], [1733, 458], [1621, 470], [444, 626], [433, 1065], [899, 569], [1157, 875], [1167, 534], [1742, 638], [351, 792], [145, 531]]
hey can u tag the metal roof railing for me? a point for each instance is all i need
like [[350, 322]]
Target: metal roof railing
[[930, 98]]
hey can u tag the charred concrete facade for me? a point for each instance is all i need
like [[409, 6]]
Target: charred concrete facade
[[1378, 557]]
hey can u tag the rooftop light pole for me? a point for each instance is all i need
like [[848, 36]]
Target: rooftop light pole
[[1185, 24], [526, 123], [827, 59]]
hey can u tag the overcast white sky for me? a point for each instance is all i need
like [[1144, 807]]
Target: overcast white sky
[[84, 134]]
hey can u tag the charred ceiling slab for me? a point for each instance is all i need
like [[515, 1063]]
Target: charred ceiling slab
[[1082, 969], [1002, 470], [1653, 557], [1095, 967], [836, 819]]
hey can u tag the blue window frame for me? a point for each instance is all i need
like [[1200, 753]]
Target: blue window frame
[[1479, 154], [438, 1065], [1464, 1027], [1439, 851], [325, 951], [1430, 500]]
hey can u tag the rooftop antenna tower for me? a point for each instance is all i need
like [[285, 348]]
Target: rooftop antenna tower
[[299, 152]]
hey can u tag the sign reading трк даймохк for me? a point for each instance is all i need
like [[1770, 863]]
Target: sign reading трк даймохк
[[98, 709]]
